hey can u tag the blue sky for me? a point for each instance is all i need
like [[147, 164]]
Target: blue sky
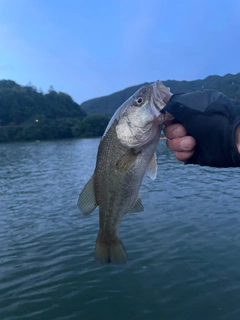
[[93, 48]]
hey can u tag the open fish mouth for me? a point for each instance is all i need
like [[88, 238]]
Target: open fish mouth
[[157, 99], [162, 117], [158, 106], [165, 116], [158, 94]]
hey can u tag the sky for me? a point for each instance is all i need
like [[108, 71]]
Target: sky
[[94, 48]]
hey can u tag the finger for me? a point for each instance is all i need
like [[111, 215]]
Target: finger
[[168, 117], [237, 138], [184, 156], [167, 123], [175, 131], [186, 143]]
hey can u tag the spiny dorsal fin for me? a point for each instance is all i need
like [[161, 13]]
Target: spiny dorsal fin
[[152, 167], [127, 161], [87, 200], [137, 206]]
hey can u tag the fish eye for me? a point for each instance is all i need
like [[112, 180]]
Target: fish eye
[[139, 100]]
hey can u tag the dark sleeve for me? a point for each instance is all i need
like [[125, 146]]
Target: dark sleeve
[[197, 100], [211, 118]]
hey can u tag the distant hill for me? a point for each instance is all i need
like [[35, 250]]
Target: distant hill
[[107, 105], [29, 114], [20, 104]]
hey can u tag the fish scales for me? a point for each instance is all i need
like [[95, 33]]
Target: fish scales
[[117, 191], [126, 152]]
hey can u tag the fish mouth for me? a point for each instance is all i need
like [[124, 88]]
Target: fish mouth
[[159, 93], [164, 116], [156, 105]]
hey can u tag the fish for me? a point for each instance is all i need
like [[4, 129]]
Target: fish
[[126, 152]]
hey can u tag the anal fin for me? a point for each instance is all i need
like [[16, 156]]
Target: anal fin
[[137, 206], [87, 200]]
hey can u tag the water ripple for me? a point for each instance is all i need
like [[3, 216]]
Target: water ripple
[[183, 249]]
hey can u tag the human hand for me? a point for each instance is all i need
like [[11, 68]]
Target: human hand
[[210, 130], [179, 142]]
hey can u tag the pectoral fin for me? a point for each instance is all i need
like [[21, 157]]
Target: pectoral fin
[[87, 200], [152, 167], [137, 206], [127, 161]]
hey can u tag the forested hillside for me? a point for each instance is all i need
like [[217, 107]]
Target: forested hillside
[[28, 114], [228, 84]]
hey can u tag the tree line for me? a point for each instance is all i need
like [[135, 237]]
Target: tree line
[[28, 114]]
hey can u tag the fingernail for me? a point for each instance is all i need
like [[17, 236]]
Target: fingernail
[[177, 131], [185, 145]]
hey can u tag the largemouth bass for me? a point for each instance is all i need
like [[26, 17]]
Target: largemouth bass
[[126, 151]]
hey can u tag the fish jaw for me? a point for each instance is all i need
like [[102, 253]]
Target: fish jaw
[[159, 93], [137, 127], [155, 94], [139, 123]]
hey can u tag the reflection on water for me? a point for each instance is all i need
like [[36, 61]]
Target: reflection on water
[[183, 250]]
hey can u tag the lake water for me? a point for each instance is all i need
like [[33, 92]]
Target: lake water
[[183, 250]]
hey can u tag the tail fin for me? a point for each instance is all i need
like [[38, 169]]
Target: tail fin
[[110, 253]]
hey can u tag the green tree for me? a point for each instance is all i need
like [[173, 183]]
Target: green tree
[[91, 126]]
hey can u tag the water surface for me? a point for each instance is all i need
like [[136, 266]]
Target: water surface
[[183, 250]]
